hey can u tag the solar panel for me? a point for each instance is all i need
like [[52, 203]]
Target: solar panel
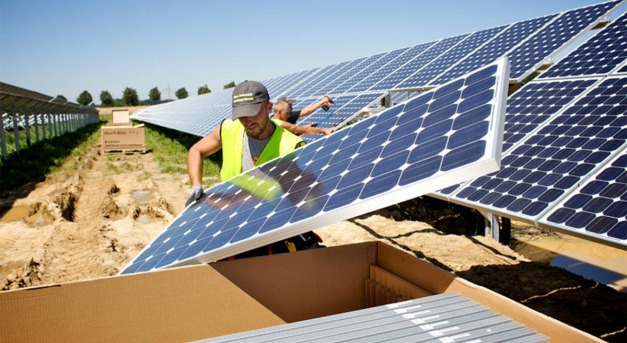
[[550, 163], [608, 46], [391, 66], [345, 109], [570, 25], [495, 48], [296, 92], [417, 63], [598, 207], [449, 58], [305, 81], [195, 115], [326, 89], [531, 107], [343, 87], [535, 103], [430, 141], [297, 78], [439, 318], [311, 87]]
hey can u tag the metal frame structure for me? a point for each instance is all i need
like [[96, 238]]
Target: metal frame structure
[[23, 109]]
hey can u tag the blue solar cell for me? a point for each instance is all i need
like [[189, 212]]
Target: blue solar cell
[[495, 48], [390, 67], [551, 162], [285, 196], [449, 58], [529, 56]]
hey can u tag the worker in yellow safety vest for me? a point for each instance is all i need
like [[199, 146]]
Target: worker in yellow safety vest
[[248, 139]]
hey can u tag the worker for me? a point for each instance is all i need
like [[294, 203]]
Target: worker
[[248, 139], [285, 115]]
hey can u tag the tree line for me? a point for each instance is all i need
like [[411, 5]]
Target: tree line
[[130, 97]]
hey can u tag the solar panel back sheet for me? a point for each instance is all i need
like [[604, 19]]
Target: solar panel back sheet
[[443, 137]]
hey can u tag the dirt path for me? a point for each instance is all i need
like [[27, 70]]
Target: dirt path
[[91, 221]]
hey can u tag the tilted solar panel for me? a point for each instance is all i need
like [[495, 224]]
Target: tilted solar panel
[[313, 86], [295, 80], [296, 92], [356, 78], [532, 106], [598, 207], [430, 141], [608, 46], [417, 63], [348, 74], [535, 103], [390, 67], [550, 163], [449, 58], [570, 25], [195, 115], [495, 48]]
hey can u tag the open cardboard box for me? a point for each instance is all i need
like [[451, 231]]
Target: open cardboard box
[[202, 301]]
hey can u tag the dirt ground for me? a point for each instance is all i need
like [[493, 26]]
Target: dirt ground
[[92, 221]]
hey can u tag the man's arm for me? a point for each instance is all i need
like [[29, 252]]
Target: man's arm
[[203, 148], [304, 130], [316, 105]]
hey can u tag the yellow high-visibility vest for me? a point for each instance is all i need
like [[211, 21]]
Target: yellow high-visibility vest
[[232, 136]]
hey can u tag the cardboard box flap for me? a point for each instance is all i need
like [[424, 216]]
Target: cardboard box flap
[[181, 304]]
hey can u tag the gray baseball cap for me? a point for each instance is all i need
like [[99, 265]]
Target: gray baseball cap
[[247, 99]]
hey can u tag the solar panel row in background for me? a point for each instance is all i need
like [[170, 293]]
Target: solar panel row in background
[[409, 68], [440, 137], [562, 139], [609, 47]]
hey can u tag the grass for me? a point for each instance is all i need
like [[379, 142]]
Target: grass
[[170, 147], [33, 163]]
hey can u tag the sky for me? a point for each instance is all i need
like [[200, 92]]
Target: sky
[[65, 47]]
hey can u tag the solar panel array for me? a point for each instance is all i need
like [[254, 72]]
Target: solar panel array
[[564, 135], [423, 66], [440, 137], [447, 317]]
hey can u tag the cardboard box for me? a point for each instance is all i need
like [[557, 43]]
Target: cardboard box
[[195, 302], [122, 138], [120, 117]]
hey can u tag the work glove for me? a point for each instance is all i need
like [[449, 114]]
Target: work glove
[[194, 194]]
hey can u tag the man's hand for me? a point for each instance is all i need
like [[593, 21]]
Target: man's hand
[[194, 194]]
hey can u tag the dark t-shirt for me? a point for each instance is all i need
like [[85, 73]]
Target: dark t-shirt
[[293, 117]]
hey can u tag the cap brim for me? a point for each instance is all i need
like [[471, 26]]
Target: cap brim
[[248, 110]]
